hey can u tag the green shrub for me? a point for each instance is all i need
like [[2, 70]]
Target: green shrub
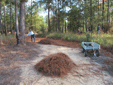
[[106, 27], [42, 35]]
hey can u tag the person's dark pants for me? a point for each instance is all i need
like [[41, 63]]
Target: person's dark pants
[[98, 31], [33, 36]]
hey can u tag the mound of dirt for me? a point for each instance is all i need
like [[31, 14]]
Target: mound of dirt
[[55, 65], [45, 41]]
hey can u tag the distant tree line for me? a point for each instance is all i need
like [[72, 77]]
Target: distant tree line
[[82, 13]]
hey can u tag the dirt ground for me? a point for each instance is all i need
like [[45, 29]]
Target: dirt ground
[[17, 64], [57, 42]]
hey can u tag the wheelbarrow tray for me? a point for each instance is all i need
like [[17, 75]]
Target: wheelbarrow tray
[[87, 46], [90, 46]]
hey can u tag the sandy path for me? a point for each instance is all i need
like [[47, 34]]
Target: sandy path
[[17, 66], [91, 71]]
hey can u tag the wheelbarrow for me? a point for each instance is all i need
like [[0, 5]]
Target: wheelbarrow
[[91, 47]]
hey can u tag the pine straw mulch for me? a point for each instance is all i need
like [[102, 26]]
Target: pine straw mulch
[[46, 41], [55, 65], [60, 65], [58, 42]]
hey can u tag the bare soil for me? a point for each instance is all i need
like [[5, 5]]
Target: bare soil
[[58, 42], [17, 64]]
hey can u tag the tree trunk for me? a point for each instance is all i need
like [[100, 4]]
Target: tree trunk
[[58, 18], [91, 15], [22, 23], [5, 22], [65, 26], [85, 17], [49, 28], [62, 28], [108, 13], [11, 16], [98, 9], [83, 24], [16, 22], [13, 22], [79, 18], [53, 19], [35, 20], [1, 18], [56, 24], [31, 15], [65, 20], [103, 15]]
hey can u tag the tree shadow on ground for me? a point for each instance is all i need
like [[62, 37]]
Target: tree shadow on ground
[[103, 65], [105, 60], [11, 58]]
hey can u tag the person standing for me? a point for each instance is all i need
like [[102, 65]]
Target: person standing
[[98, 29], [32, 35]]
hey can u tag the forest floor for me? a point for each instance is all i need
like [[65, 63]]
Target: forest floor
[[17, 64]]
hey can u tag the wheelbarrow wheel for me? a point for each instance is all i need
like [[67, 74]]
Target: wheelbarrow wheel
[[97, 53], [83, 50], [85, 53]]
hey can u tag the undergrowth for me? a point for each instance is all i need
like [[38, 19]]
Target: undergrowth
[[105, 40], [7, 40]]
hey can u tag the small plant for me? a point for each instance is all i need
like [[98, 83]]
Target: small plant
[[88, 36]]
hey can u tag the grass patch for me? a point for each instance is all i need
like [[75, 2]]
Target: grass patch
[[42, 35], [67, 36], [7, 40], [105, 40]]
